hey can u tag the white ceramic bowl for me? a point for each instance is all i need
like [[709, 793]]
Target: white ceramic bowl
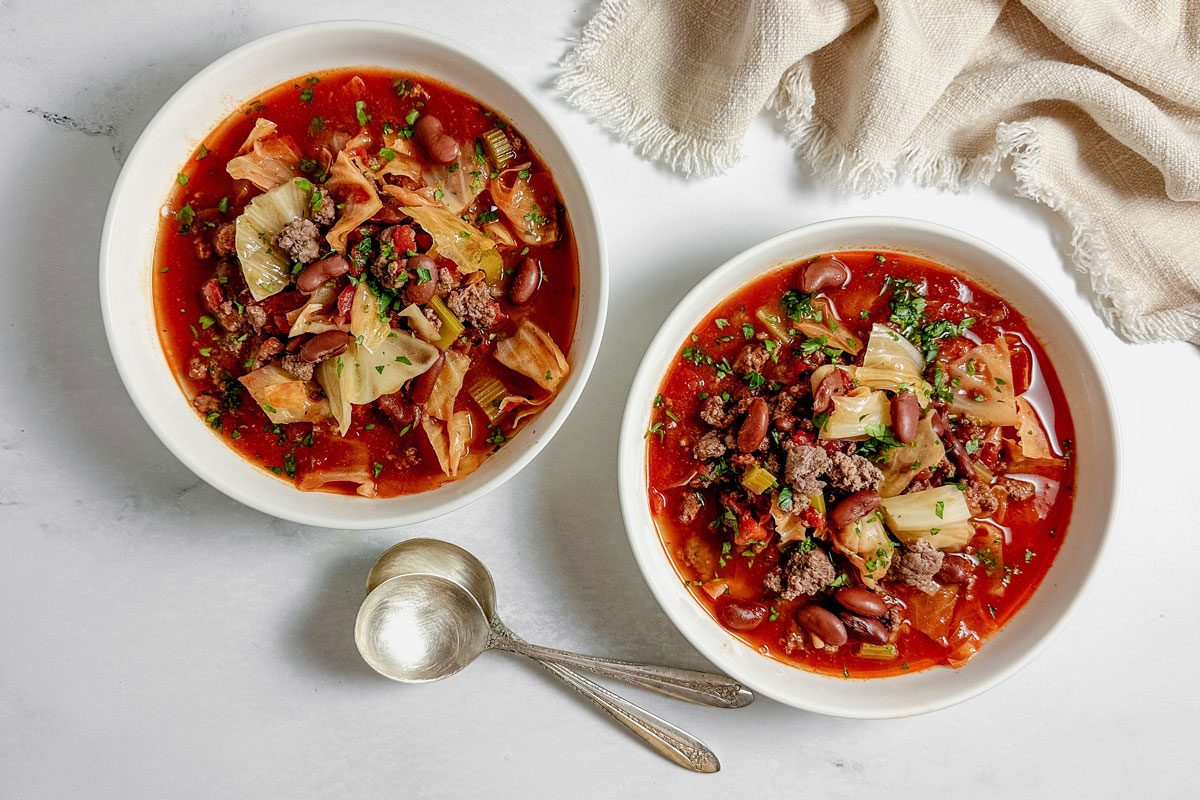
[[1096, 448], [129, 234]]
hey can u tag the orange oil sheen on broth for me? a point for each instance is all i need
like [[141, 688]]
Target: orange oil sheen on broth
[[1030, 543], [179, 272]]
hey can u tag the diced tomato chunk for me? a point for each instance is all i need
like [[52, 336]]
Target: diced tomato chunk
[[211, 295], [344, 302]]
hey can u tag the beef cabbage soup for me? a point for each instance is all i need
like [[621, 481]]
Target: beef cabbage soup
[[861, 464], [365, 282]]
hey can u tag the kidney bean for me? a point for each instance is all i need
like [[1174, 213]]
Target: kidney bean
[[835, 383], [861, 601], [754, 427], [318, 272], [853, 507], [421, 387], [525, 282], [865, 628], [823, 623], [955, 569], [437, 144], [905, 413], [414, 291], [400, 410], [741, 615], [326, 344], [823, 272]]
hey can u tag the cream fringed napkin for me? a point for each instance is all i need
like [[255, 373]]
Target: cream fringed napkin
[[1096, 103]]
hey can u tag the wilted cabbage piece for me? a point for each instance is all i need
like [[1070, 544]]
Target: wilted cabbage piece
[[378, 362], [854, 413], [469, 249], [398, 156], [531, 209], [315, 316], [866, 544], [903, 463], [339, 461], [939, 514], [355, 194], [982, 384], [787, 525], [450, 441], [447, 386], [284, 398], [531, 352], [1034, 442], [457, 184], [419, 323], [892, 363], [266, 158], [266, 269], [840, 337]]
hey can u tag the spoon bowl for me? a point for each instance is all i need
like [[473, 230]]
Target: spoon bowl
[[418, 628], [435, 557]]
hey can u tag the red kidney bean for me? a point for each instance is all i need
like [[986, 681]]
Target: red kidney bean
[[835, 383], [860, 601], [869, 630], [754, 427], [906, 411], [821, 273], [421, 387], [823, 623], [437, 144], [525, 282], [741, 615], [326, 344], [414, 291], [955, 569], [853, 507], [318, 272]]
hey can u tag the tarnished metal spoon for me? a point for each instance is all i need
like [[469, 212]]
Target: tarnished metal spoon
[[420, 627], [452, 562]]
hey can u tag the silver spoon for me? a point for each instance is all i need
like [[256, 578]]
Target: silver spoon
[[420, 627], [452, 562]]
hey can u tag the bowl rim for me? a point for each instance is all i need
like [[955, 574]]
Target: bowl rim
[[583, 358], [633, 483]]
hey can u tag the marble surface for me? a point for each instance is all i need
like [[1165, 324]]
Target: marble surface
[[160, 640]]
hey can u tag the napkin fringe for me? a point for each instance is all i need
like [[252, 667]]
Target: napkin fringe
[[1090, 254], [617, 112]]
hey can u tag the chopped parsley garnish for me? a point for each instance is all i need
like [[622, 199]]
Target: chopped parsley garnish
[[360, 112], [798, 305], [881, 441], [376, 468]]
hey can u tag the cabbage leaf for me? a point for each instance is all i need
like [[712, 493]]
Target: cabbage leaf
[[866, 544], [266, 270], [266, 159], [531, 352], [982, 384], [379, 361], [854, 413], [447, 386], [284, 398], [355, 194], [458, 241], [530, 209]]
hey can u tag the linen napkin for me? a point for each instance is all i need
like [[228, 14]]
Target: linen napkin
[[1094, 104]]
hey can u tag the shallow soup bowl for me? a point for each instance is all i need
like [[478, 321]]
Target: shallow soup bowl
[[1095, 453], [127, 254]]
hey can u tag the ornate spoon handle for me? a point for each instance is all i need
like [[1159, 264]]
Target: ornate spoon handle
[[672, 743], [704, 688]]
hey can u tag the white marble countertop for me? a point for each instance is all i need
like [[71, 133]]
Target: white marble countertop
[[159, 640]]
